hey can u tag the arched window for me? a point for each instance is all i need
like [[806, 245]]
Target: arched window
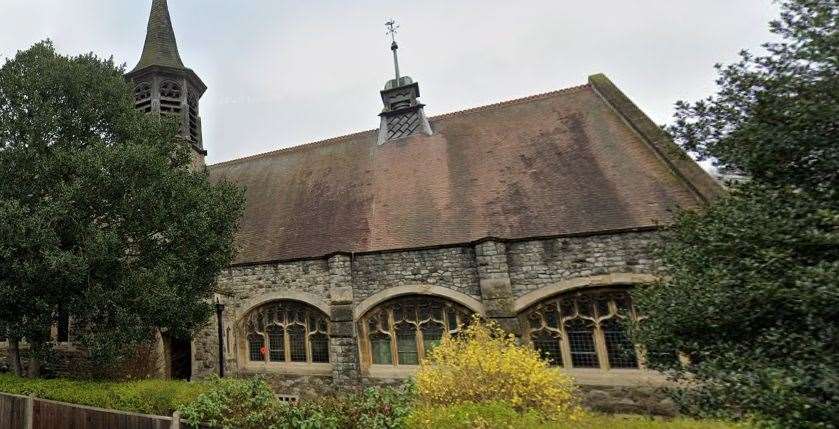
[[583, 329], [293, 332], [402, 331]]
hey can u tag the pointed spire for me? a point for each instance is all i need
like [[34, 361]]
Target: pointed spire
[[161, 48]]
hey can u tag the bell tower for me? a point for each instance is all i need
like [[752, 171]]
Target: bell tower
[[163, 85]]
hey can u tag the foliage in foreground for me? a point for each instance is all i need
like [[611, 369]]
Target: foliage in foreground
[[250, 403], [497, 415], [103, 218], [486, 364], [752, 295], [158, 397], [240, 403]]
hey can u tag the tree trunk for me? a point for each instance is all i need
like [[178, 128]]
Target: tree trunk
[[14, 357], [35, 364]]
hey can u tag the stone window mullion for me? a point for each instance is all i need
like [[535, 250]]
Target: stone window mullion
[[420, 342], [364, 344], [394, 350], [600, 346], [308, 341], [565, 345], [286, 338]]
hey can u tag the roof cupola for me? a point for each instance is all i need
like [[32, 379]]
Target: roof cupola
[[403, 114]]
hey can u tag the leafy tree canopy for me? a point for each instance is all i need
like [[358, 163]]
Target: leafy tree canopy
[[103, 216], [752, 295]]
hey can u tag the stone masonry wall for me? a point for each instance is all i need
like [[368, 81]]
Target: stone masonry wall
[[492, 272], [241, 284], [453, 267], [537, 263]]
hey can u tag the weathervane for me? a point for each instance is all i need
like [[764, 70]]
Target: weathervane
[[392, 28]]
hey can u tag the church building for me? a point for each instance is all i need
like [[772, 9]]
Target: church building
[[360, 253]]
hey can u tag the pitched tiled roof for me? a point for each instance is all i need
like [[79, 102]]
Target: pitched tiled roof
[[562, 163], [161, 48]]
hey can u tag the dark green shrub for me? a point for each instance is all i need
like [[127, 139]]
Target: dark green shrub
[[250, 403], [751, 297], [230, 402], [372, 408]]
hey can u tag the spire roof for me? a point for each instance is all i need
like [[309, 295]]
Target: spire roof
[[161, 48]]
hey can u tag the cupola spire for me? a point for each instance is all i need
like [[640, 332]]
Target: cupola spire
[[403, 114], [161, 47]]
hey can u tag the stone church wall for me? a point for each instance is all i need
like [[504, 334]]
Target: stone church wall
[[498, 275], [452, 267], [534, 264]]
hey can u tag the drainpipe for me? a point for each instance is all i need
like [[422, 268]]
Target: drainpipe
[[220, 320]]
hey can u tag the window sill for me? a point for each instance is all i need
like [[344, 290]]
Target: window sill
[[615, 377], [390, 371], [582, 376], [295, 368]]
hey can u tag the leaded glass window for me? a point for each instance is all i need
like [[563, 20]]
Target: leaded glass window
[[583, 329], [276, 341], [548, 346], [406, 343], [620, 350], [295, 332], [404, 330], [256, 346], [580, 334]]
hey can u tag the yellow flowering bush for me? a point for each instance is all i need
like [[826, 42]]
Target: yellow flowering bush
[[486, 364]]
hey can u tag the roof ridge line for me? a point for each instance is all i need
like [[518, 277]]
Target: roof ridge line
[[510, 102], [292, 148], [338, 139]]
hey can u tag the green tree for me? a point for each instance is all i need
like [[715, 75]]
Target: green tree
[[102, 215], [752, 296]]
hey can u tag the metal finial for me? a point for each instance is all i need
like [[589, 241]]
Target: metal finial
[[392, 28]]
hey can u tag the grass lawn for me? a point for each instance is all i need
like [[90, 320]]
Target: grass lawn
[[639, 422]]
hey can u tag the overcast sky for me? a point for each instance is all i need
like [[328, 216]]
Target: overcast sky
[[283, 73]]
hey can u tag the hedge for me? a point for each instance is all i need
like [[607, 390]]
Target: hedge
[[158, 397]]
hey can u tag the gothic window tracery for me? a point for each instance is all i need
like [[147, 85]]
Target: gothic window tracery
[[287, 331], [583, 329], [404, 330]]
